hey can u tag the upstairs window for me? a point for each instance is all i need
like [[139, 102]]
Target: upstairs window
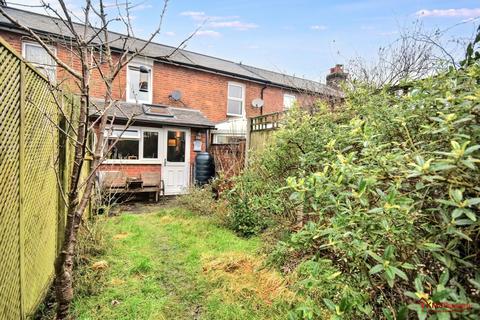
[[236, 99], [39, 57], [288, 101], [139, 83]]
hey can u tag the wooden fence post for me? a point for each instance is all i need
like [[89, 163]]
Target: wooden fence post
[[247, 142], [21, 180], [62, 184]]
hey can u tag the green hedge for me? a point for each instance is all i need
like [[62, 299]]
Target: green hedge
[[390, 186]]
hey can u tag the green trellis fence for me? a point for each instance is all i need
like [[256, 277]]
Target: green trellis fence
[[32, 166]]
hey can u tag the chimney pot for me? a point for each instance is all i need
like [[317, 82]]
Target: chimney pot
[[336, 76]]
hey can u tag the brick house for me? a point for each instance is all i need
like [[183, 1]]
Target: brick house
[[182, 103]]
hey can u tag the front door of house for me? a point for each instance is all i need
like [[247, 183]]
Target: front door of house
[[176, 164]]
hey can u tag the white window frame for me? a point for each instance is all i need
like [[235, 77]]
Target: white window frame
[[38, 65], [137, 63], [217, 136], [141, 159], [242, 99], [289, 95]]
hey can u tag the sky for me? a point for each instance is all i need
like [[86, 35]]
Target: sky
[[302, 37]]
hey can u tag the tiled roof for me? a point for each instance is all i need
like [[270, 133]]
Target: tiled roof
[[50, 25], [172, 116]]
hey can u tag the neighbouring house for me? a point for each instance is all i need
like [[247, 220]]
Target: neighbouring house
[[182, 101]]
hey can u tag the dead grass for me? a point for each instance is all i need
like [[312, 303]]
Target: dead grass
[[244, 275], [120, 236]]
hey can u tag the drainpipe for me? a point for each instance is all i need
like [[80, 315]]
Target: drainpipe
[[261, 97], [207, 136]]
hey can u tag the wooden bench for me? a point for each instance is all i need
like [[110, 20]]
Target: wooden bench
[[118, 182]]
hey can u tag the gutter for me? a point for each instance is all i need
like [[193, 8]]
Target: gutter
[[261, 96], [161, 123]]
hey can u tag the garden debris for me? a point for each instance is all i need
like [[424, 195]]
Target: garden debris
[[197, 312], [115, 303], [100, 265]]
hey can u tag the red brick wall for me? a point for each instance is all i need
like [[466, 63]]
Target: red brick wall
[[203, 137], [201, 90], [131, 170]]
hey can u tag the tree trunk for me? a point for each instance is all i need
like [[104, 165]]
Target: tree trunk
[[64, 261]]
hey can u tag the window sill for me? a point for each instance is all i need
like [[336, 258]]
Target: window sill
[[138, 161], [139, 101], [235, 115]]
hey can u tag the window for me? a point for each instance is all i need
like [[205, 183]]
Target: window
[[227, 139], [150, 145], [236, 97], [288, 101], [139, 86], [39, 57], [176, 146], [133, 144], [123, 144]]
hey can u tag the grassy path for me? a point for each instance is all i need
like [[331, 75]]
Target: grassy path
[[174, 265]]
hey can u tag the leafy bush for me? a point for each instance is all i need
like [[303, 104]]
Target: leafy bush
[[199, 200], [390, 186]]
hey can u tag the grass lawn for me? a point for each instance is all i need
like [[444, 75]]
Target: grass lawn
[[175, 265]]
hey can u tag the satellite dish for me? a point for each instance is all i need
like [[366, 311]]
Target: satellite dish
[[257, 103], [176, 95]]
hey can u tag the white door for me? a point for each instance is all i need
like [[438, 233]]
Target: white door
[[176, 164]]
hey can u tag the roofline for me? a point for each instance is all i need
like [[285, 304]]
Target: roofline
[[146, 121], [187, 65]]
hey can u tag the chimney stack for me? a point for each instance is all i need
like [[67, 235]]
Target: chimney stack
[[336, 76]]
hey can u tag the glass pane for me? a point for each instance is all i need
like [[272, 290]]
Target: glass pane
[[235, 91], [133, 79], [176, 146], [41, 59], [288, 101], [150, 145], [226, 139], [37, 54], [143, 83], [234, 107], [124, 149], [138, 85]]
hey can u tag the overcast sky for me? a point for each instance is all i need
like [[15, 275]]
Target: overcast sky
[[302, 37]]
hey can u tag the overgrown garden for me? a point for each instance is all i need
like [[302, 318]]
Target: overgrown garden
[[372, 209]]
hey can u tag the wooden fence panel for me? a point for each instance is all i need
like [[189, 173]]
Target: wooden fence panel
[[29, 193], [261, 131], [10, 293], [41, 190]]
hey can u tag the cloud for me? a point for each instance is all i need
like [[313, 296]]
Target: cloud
[[140, 7], [319, 27], [195, 15], [387, 33], [463, 12], [215, 22], [233, 24], [208, 33], [471, 19], [169, 33]]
